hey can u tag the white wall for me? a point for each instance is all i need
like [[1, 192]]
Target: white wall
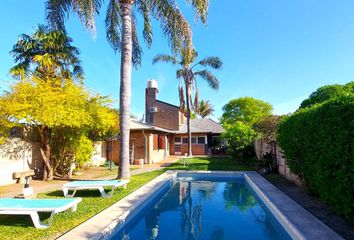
[[15, 156], [99, 154], [262, 148]]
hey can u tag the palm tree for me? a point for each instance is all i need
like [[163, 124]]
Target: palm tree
[[47, 55], [203, 108], [188, 70], [121, 32]]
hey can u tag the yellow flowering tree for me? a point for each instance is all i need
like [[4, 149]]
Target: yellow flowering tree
[[56, 108]]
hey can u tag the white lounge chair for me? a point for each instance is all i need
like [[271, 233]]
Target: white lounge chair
[[99, 184], [14, 206]]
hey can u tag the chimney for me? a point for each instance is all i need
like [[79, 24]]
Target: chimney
[[150, 98]]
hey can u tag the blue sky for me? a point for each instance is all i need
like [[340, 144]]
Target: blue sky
[[275, 50]]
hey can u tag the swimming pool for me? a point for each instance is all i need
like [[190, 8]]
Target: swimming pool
[[204, 205], [204, 208]]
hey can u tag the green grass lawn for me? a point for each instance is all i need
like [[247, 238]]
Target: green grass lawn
[[214, 163], [16, 227]]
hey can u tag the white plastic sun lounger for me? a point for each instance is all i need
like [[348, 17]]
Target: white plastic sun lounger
[[99, 184], [14, 206]]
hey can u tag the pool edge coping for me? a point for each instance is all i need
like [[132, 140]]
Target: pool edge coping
[[296, 220], [117, 214]]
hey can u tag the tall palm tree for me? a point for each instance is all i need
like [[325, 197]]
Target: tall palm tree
[[188, 70], [203, 108], [121, 32], [47, 55]]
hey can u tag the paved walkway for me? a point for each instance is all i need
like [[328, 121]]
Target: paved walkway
[[156, 166], [40, 186]]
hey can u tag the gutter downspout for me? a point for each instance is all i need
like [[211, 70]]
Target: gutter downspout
[[145, 149]]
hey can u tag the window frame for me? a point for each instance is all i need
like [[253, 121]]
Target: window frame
[[180, 140], [202, 137], [184, 140]]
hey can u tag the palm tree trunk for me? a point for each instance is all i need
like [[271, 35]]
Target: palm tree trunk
[[125, 88], [188, 96]]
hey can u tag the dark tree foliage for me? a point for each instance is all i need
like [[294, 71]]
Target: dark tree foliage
[[318, 145]]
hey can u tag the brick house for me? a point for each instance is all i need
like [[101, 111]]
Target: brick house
[[164, 132]]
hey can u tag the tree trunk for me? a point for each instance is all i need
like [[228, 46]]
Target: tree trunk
[[45, 153], [188, 96], [125, 88], [48, 170]]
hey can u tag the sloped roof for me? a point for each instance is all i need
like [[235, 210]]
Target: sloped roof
[[136, 125], [204, 125]]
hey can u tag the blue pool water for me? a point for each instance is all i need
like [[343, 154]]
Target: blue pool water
[[198, 209]]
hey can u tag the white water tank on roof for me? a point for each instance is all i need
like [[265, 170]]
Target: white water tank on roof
[[152, 83]]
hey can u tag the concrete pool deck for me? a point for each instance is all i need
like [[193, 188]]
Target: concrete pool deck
[[299, 223]]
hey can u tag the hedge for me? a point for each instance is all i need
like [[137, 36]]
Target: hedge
[[318, 145]]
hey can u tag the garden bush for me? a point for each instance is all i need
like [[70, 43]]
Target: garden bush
[[318, 145]]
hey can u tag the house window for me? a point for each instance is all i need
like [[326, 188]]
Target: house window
[[178, 139], [201, 140], [195, 140]]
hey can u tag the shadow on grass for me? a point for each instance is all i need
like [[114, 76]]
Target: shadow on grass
[[21, 220], [16, 220], [79, 193]]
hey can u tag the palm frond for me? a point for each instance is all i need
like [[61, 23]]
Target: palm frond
[[144, 8], [164, 58], [46, 53], [182, 102], [188, 56], [86, 11], [213, 62], [56, 11], [196, 100], [201, 9], [113, 25], [179, 73], [205, 109], [174, 25], [20, 71], [136, 49], [209, 77]]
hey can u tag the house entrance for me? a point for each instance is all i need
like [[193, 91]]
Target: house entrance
[[178, 145]]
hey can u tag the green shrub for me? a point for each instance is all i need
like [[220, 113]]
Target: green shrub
[[318, 145]]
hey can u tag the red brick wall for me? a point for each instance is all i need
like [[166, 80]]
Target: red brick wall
[[167, 116], [137, 138], [197, 149]]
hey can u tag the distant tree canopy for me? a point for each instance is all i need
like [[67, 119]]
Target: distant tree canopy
[[239, 119], [246, 109], [326, 93]]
